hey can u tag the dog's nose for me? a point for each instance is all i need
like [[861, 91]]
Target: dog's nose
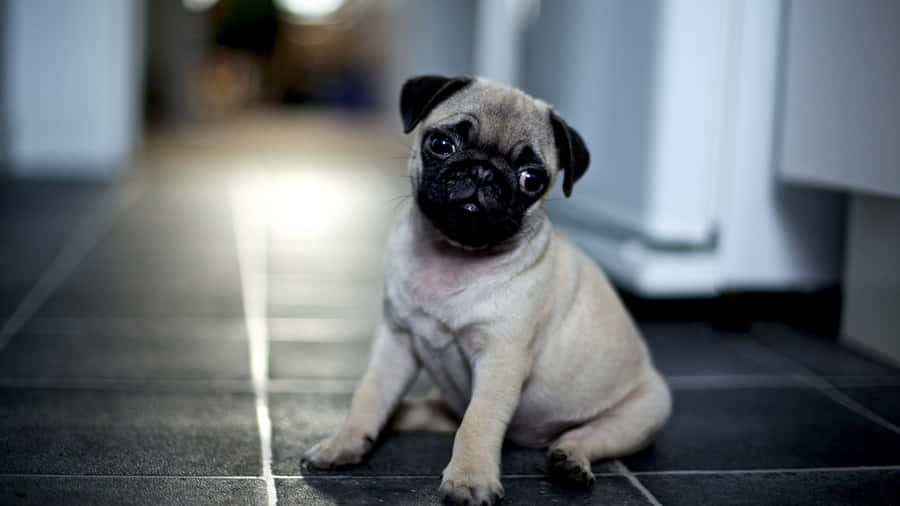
[[482, 174], [472, 189], [461, 189], [462, 185]]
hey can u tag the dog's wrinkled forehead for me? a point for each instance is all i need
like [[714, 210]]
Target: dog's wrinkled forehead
[[501, 119], [498, 116]]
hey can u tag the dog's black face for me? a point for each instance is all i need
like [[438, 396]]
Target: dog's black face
[[473, 192], [487, 155]]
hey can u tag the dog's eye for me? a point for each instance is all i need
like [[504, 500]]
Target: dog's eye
[[441, 144], [532, 181]]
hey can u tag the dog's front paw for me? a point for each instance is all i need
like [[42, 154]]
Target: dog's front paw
[[470, 485], [341, 449]]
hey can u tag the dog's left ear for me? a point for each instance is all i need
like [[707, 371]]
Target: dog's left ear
[[572, 154], [422, 94]]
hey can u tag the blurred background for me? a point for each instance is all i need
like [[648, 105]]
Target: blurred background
[[195, 195], [740, 148]]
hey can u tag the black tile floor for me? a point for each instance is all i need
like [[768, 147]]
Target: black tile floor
[[150, 330]]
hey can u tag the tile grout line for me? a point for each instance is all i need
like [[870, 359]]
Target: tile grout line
[[436, 476], [844, 469], [763, 354], [235, 385], [251, 249], [130, 476], [676, 472], [341, 386], [635, 482], [844, 400], [732, 381], [98, 221]]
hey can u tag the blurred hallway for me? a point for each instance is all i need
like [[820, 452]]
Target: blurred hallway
[[319, 190]]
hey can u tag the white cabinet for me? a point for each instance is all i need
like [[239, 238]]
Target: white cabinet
[[842, 130], [842, 95]]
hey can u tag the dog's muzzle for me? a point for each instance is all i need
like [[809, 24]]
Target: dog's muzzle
[[468, 202]]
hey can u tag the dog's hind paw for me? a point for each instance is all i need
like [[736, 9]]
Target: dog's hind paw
[[568, 470]]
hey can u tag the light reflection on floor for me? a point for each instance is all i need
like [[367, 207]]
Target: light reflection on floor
[[324, 214]]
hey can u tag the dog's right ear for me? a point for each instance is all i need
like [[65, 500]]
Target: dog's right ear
[[574, 157], [422, 94]]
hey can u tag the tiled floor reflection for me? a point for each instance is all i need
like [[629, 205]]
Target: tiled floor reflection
[[148, 340]]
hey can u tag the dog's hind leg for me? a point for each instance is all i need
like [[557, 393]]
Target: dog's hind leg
[[429, 414], [624, 429]]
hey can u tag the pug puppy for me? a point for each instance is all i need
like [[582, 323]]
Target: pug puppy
[[523, 335]]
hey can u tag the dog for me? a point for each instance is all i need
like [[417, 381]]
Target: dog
[[522, 333]]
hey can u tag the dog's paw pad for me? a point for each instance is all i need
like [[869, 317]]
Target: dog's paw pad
[[569, 471]]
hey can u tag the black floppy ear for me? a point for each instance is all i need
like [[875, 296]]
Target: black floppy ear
[[572, 154], [422, 94]]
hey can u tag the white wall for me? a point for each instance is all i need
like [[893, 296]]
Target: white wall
[[73, 85]]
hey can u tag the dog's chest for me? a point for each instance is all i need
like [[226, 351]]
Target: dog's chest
[[435, 338], [450, 367], [435, 297], [423, 300], [436, 301]]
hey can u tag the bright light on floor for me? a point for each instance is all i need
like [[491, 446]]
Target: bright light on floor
[[312, 201], [300, 204], [198, 5], [309, 8]]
